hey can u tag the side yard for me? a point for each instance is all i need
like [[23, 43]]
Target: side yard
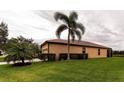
[[2, 58], [91, 70]]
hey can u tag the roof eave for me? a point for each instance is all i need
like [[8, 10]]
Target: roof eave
[[73, 44]]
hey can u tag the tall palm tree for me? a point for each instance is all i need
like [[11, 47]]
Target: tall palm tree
[[74, 28]]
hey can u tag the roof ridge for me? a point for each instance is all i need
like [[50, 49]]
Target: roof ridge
[[82, 42]]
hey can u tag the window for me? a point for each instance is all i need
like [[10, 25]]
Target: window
[[99, 51], [83, 50]]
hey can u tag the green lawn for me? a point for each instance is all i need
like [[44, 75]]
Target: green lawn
[[103, 69], [1, 58]]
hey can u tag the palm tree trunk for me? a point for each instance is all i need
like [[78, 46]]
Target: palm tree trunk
[[68, 45], [23, 60]]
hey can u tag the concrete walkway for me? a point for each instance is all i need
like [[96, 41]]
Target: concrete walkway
[[34, 60]]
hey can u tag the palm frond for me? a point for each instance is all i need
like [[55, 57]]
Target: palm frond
[[78, 34], [60, 29], [60, 16], [81, 27], [9, 58], [73, 16], [73, 25]]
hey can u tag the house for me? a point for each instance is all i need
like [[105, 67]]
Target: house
[[58, 46]]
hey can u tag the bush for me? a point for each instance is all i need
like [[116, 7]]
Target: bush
[[47, 57], [73, 56]]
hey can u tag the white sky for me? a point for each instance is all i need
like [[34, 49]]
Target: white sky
[[103, 27]]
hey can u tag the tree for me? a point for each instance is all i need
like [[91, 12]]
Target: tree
[[3, 35], [74, 28], [36, 50], [20, 48]]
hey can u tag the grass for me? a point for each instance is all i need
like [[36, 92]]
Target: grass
[[91, 70], [2, 59]]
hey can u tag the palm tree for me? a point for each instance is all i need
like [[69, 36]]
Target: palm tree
[[74, 28], [19, 49]]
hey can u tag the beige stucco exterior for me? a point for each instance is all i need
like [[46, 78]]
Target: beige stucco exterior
[[44, 48], [93, 52], [61, 48]]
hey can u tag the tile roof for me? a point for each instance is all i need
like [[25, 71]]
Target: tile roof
[[76, 42]]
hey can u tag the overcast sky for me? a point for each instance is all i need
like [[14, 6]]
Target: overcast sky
[[102, 27]]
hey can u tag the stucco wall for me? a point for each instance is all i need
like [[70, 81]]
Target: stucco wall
[[92, 52], [44, 48], [57, 48]]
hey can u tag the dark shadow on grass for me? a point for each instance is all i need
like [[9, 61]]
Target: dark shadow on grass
[[21, 64]]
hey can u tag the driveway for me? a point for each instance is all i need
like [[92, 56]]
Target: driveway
[[34, 60]]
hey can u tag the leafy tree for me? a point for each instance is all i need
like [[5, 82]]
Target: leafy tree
[[74, 28], [20, 48], [36, 50], [118, 53], [3, 35]]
